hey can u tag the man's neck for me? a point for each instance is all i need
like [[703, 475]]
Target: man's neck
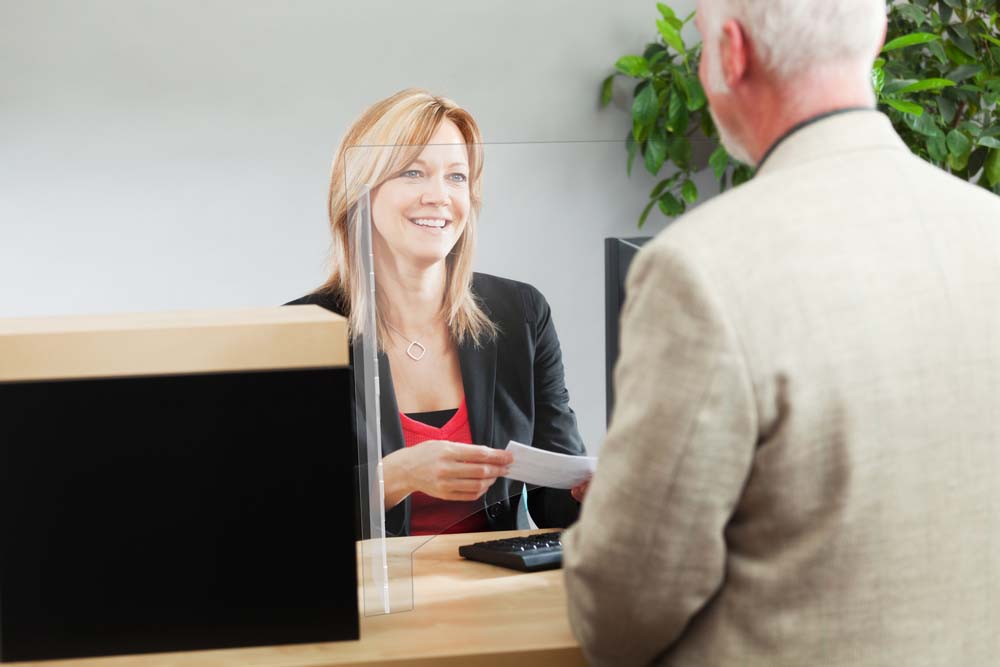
[[782, 106]]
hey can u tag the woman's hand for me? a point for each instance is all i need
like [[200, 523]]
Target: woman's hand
[[443, 469], [580, 490]]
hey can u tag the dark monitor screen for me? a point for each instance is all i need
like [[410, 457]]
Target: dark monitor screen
[[618, 256], [172, 513]]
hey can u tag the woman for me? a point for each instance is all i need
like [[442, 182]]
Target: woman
[[468, 361]]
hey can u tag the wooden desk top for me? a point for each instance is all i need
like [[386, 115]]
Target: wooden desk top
[[465, 613]]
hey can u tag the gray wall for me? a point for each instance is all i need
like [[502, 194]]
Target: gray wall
[[171, 155]]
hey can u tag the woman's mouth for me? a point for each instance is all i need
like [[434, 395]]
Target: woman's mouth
[[430, 223]]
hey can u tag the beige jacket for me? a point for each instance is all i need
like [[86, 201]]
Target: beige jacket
[[803, 467]]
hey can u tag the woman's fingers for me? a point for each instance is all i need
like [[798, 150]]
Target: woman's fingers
[[481, 454], [475, 486], [580, 491], [465, 470]]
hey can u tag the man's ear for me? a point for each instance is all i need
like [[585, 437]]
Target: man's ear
[[734, 52], [881, 42]]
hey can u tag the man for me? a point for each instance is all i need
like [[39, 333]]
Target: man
[[803, 467]]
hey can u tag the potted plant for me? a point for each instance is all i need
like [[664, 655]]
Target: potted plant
[[938, 80]]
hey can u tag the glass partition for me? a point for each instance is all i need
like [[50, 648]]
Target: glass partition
[[527, 222]]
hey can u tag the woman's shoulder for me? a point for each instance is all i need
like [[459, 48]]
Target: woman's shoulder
[[326, 300], [505, 297]]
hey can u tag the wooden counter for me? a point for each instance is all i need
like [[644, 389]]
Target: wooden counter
[[465, 613]]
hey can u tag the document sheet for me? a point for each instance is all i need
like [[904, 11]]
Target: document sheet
[[543, 468]]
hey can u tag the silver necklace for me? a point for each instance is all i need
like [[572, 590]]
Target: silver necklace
[[415, 350]]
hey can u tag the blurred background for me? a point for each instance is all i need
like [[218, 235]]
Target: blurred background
[[176, 155]]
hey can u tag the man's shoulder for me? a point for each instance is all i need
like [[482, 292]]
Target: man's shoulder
[[718, 222], [779, 210]]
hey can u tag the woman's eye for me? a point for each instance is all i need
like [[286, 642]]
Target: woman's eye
[[458, 177], [411, 173]]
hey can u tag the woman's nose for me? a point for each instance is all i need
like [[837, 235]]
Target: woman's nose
[[436, 194]]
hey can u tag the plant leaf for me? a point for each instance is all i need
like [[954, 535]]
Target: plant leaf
[[632, 146], [971, 129], [671, 36], [937, 148], [689, 191], [947, 109], [910, 40], [959, 145], [719, 161], [991, 169], [607, 90], [680, 152], [976, 161], [957, 162], [666, 11], [960, 36], [956, 55], [695, 93], [677, 118], [991, 39], [913, 13], [989, 142], [937, 50], [741, 175], [926, 84], [645, 107], [670, 205], [906, 107], [635, 66], [656, 151], [963, 72], [663, 185], [893, 86], [645, 213], [878, 79]]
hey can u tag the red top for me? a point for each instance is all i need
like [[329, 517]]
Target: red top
[[432, 516]]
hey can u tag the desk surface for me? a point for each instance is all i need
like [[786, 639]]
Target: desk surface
[[465, 613]]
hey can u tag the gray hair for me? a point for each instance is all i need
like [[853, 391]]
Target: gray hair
[[793, 36]]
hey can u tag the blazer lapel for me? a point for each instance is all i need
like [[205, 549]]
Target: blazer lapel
[[392, 429], [479, 372]]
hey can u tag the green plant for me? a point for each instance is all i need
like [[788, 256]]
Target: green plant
[[938, 80]]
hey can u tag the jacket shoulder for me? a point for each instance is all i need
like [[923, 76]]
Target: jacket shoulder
[[507, 299], [324, 299]]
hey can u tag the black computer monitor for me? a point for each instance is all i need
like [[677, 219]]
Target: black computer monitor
[[173, 512], [618, 255]]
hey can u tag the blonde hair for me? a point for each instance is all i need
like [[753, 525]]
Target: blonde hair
[[384, 140]]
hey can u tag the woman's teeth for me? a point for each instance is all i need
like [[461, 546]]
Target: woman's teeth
[[430, 222]]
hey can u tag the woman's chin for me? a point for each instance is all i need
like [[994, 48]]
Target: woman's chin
[[427, 258]]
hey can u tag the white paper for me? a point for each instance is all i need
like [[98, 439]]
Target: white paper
[[544, 468]]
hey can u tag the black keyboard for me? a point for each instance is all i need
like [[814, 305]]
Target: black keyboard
[[540, 551]]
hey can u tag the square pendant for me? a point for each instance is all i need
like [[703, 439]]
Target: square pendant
[[415, 355]]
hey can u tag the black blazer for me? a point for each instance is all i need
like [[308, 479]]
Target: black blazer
[[514, 390]]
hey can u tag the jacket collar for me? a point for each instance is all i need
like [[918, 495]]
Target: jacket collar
[[479, 372], [861, 129]]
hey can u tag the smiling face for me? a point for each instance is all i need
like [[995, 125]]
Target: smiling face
[[420, 212]]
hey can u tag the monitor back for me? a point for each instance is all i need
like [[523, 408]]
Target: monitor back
[[618, 256], [178, 511]]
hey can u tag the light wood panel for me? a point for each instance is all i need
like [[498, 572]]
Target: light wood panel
[[465, 613], [209, 341]]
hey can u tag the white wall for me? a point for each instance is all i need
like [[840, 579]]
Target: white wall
[[166, 155]]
